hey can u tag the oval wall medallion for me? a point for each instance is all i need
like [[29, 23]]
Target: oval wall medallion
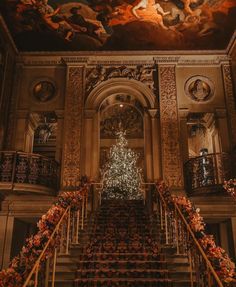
[[44, 90], [199, 88]]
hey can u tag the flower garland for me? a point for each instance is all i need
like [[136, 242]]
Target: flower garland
[[22, 264], [223, 265], [230, 187]]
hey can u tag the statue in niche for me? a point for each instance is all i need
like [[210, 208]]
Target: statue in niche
[[46, 129]]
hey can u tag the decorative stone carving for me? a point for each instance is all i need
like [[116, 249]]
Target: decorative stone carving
[[230, 101], [44, 91], [72, 127], [171, 160], [122, 115], [199, 88], [99, 74]]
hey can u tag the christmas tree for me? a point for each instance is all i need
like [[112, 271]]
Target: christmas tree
[[121, 176]]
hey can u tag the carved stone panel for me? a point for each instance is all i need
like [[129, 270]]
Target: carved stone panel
[[98, 74], [72, 127], [230, 102], [171, 160]]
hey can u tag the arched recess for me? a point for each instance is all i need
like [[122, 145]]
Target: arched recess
[[91, 129]]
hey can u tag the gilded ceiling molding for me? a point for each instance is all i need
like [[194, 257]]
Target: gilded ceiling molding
[[72, 128], [230, 101], [74, 60], [202, 60], [39, 60], [122, 62], [166, 59], [170, 134]]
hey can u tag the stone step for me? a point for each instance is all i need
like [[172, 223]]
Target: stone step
[[122, 273], [122, 282], [122, 256]]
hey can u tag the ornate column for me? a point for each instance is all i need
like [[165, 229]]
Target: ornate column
[[230, 101], [170, 137], [183, 114], [148, 147], [156, 150], [72, 127]]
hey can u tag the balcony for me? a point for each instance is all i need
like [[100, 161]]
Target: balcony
[[206, 174], [28, 173]]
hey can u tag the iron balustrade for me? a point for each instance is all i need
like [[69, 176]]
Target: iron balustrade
[[28, 168], [206, 174]]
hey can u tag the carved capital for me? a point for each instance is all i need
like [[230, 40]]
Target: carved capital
[[183, 114], [153, 113]]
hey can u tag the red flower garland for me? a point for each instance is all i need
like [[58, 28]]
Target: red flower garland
[[223, 265], [22, 264], [230, 187]]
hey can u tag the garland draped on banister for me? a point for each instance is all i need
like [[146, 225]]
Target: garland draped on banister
[[230, 187], [223, 265], [21, 265]]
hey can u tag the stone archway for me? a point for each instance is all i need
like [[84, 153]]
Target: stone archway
[[93, 104]]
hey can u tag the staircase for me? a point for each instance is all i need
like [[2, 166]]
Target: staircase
[[122, 246]]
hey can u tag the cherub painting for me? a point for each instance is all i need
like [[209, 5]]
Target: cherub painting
[[120, 24]]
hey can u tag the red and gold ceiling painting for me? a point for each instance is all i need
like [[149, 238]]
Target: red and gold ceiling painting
[[113, 25]]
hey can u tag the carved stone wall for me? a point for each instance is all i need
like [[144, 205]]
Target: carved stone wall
[[230, 102], [171, 158], [142, 73], [72, 128]]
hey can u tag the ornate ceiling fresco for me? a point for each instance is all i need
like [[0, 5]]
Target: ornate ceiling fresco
[[53, 25]]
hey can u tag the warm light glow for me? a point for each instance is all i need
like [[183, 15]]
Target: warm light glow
[[121, 176], [121, 105]]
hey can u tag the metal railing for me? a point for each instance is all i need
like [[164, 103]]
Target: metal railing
[[206, 174], [178, 233], [66, 232], [28, 168]]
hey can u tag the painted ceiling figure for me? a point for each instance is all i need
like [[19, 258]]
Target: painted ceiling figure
[[76, 19], [121, 24], [145, 10]]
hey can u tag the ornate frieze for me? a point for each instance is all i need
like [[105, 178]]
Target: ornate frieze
[[230, 101], [98, 74], [72, 128], [171, 158]]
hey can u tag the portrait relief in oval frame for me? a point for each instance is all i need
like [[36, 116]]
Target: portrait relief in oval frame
[[199, 88], [43, 90]]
